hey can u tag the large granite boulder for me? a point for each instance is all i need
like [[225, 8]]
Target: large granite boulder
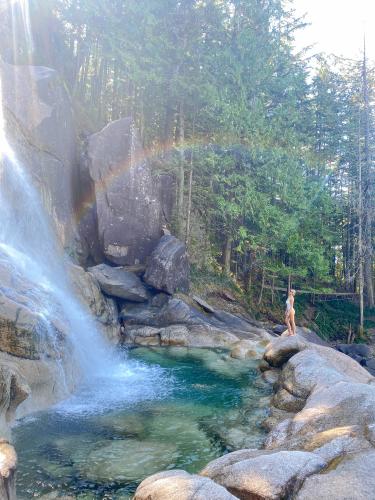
[[352, 478], [131, 204], [168, 267], [117, 282], [264, 476], [179, 485], [179, 335], [41, 130], [179, 323]]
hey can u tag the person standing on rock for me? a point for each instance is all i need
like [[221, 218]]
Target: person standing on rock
[[290, 313]]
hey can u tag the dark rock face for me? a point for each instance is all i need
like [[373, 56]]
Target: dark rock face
[[131, 205], [117, 282], [354, 350], [40, 128], [168, 266]]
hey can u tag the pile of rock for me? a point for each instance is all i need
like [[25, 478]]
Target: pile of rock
[[321, 440]]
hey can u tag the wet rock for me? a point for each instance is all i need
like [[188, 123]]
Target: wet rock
[[41, 129], [267, 476], [126, 425], [168, 267], [8, 463], [128, 460], [56, 494], [131, 205], [175, 335], [23, 330], [178, 335], [246, 349], [13, 391], [117, 282], [103, 309], [179, 485], [353, 477]]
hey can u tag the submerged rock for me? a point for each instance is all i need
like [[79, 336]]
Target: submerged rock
[[246, 349], [168, 267], [128, 460]]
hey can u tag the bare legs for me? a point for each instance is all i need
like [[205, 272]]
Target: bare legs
[[290, 323]]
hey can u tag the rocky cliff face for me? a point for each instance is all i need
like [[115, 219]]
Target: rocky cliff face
[[130, 204], [40, 128]]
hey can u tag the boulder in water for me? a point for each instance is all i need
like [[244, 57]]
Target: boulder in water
[[117, 282], [127, 460], [168, 267]]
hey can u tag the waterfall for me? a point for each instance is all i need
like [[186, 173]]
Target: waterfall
[[30, 249]]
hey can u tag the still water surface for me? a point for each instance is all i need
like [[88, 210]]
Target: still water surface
[[161, 408]]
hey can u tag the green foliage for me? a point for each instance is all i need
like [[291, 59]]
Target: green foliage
[[216, 88]]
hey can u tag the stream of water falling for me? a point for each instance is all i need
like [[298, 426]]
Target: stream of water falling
[[29, 248], [28, 244]]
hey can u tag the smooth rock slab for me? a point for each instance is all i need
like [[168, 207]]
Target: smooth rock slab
[[179, 485], [352, 479], [268, 476], [344, 404], [117, 282], [168, 266], [319, 367]]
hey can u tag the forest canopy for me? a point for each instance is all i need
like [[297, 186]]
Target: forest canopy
[[272, 150]]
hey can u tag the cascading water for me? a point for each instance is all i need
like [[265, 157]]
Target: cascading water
[[29, 245], [30, 251]]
